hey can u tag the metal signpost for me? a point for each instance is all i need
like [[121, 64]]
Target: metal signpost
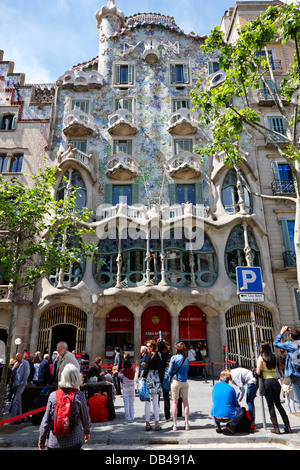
[[250, 289]]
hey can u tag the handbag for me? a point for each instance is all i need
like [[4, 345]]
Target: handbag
[[142, 390], [168, 377]]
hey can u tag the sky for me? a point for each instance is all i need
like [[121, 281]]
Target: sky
[[45, 38]]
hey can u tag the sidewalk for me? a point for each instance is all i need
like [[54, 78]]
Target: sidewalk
[[122, 435]]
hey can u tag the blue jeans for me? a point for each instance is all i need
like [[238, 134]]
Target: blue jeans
[[235, 420], [251, 394], [296, 387]]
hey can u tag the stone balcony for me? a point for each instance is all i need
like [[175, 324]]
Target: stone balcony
[[73, 153], [78, 124], [183, 122], [144, 214], [185, 166], [122, 166], [80, 81], [123, 123]]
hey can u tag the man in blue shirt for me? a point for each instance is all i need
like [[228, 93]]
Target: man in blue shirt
[[20, 374], [225, 404], [290, 347]]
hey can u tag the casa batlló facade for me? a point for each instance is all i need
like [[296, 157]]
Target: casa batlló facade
[[170, 227]]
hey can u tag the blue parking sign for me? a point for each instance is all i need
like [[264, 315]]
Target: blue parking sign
[[249, 280]]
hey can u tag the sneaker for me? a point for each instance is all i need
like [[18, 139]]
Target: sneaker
[[218, 428]]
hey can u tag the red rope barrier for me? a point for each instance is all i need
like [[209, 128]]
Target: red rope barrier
[[24, 415]]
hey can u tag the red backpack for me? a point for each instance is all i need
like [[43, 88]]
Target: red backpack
[[63, 415]]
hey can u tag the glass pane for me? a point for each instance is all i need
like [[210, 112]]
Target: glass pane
[[179, 73], [186, 193], [124, 74], [3, 163], [137, 260], [291, 228], [285, 172], [173, 260]]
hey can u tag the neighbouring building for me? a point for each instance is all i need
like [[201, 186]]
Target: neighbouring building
[[170, 227], [25, 112]]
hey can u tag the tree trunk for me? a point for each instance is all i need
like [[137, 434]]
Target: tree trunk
[[8, 349], [297, 238]]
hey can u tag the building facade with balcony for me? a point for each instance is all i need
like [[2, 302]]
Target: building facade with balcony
[[25, 113], [170, 227]]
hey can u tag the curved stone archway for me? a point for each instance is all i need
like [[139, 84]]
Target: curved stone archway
[[64, 315], [240, 332]]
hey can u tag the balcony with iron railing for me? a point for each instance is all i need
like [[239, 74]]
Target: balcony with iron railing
[[284, 186], [265, 97], [280, 140], [78, 124], [123, 123], [289, 259], [183, 122]]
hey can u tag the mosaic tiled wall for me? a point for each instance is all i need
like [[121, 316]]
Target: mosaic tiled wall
[[152, 103]]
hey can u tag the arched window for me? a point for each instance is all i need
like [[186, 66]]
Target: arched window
[[133, 252], [230, 194], [73, 272], [235, 255], [74, 178]]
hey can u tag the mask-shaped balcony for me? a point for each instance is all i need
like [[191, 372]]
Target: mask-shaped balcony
[[183, 122], [77, 123], [122, 167], [80, 80], [185, 166], [122, 122]]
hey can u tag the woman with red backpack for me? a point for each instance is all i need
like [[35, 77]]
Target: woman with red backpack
[[66, 422]]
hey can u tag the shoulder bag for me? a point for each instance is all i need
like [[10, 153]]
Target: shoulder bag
[[168, 377]]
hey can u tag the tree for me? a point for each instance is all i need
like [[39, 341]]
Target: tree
[[246, 65], [35, 235]]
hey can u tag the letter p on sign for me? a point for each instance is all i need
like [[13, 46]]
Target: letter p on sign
[[249, 280]]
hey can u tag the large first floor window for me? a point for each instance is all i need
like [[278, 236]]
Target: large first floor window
[[235, 254], [74, 178], [231, 196], [181, 265]]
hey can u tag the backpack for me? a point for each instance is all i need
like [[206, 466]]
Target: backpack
[[245, 423], [296, 357], [63, 415]]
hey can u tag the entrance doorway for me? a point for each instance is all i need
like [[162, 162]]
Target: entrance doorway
[[240, 334], [154, 320], [62, 323], [66, 333]]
